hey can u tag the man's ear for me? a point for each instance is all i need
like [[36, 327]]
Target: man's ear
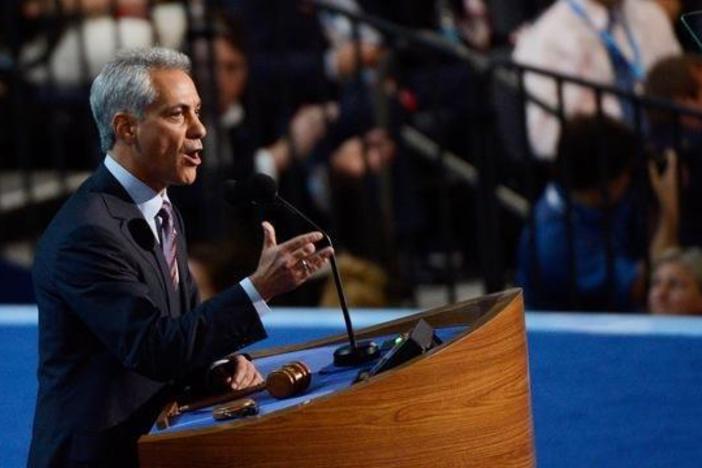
[[124, 126]]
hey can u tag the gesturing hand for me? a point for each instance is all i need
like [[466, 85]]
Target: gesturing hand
[[283, 267], [665, 186]]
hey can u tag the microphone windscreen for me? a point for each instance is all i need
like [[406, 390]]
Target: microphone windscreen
[[258, 188], [263, 188]]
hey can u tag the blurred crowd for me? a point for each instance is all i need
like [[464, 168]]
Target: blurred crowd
[[318, 103]]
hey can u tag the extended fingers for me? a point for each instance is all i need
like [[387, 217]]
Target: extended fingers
[[672, 158], [302, 253], [312, 263], [653, 173], [318, 260], [321, 257], [301, 242], [268, 235]]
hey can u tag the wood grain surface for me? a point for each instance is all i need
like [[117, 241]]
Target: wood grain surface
[[465, 403]]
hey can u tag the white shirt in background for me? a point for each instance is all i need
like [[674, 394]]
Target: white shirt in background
[[562, 41]]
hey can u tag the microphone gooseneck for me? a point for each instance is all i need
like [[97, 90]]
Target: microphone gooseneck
[[335, 272], [261, 190]]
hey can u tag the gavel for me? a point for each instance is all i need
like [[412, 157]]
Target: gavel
[[290, 380]]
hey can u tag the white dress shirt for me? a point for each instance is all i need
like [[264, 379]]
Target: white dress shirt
[[562, 41]]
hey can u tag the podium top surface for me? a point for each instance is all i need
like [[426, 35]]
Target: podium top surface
[[326, 380]]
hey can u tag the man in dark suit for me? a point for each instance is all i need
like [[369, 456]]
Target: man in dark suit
[[120, 328]]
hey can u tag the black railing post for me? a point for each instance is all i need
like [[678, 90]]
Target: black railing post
[[487, 209], [535, 277], [608, 207], [566, 177]]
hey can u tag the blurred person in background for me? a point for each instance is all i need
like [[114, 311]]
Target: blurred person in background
[[307, 125], [245, 138], [679, 79], [59, 47], [299, 54], [676, 283], [612, 42], [302, 66], [586, 146], [86, 34]]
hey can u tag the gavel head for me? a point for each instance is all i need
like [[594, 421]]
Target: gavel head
[[290, 380]]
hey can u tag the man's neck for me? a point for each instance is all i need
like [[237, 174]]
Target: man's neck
[[123, 157]]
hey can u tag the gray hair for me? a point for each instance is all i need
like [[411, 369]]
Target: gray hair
[[124, 85], [690, 257]]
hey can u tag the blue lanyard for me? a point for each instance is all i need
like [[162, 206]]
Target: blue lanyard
[[636, 67]]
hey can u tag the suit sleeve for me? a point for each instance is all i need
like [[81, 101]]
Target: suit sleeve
[[100, 285]]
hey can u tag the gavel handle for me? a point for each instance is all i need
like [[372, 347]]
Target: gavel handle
[[172, 410], [217, 399]]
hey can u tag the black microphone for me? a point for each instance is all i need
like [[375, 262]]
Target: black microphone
[[261, 189]]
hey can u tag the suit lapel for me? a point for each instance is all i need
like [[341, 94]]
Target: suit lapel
[[136, 230]]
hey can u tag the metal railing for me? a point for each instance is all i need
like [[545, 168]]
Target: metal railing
[[31, 179]]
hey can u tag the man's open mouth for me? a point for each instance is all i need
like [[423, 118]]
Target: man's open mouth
[[193, 156]]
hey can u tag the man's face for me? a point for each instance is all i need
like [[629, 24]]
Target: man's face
[[168, 140]]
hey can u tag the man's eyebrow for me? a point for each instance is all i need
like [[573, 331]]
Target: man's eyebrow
[[183, 105]]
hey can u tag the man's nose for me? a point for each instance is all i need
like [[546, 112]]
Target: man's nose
[[197, 129]]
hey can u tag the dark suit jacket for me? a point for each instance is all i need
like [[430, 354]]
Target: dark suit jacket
[[115, 338]]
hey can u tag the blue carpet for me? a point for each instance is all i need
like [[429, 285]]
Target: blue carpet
[[18, 387], [616, 400], [601, 396]]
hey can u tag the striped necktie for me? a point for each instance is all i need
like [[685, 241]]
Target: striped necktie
[[168, 240]]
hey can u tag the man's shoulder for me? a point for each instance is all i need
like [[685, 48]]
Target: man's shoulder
[[84, 206], [84, 211]]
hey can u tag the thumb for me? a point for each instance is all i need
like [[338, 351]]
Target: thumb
[[268, 235], [672, 158], [653, 173]]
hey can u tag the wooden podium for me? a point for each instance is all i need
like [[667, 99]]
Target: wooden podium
[[464, 403]]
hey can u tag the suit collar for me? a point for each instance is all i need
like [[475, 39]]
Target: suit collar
[[135, 229], [119, 204], [147, 200]]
